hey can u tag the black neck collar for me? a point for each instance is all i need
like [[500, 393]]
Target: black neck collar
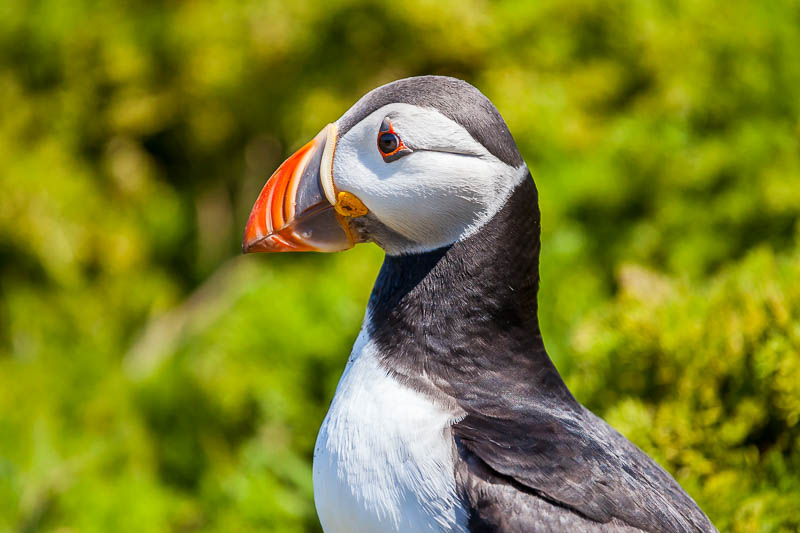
[[464, 317]]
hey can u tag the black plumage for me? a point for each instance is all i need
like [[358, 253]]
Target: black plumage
[[460, 324], [454, 98]]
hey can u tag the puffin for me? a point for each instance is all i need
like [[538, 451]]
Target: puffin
[[449, 415]]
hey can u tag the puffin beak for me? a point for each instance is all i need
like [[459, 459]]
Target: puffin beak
[[296, 210]]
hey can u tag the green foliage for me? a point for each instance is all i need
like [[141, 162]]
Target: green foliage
[[704, 378], [151, 382]]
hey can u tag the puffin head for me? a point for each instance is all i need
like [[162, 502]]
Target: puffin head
[[413, 166]]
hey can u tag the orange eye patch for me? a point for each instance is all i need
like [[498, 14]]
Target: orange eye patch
[[390, 145]]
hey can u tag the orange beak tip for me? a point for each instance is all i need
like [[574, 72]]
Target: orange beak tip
[[278, 224]]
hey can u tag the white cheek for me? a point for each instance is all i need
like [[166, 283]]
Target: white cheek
[[429, 197]]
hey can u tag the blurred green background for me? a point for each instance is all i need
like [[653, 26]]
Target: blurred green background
[[151, 379]]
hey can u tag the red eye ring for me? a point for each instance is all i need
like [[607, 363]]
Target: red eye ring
[[390, 145]]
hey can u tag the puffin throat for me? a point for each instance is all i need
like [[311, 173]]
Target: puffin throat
[[467, 313]]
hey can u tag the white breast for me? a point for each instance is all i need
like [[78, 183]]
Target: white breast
[[384, 456]]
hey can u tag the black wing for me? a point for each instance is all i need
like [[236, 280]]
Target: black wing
[[556, 469]]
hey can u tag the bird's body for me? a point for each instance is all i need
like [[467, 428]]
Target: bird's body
[[383, 459], [450, 416]]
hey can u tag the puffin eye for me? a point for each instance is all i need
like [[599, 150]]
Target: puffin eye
[[390, 145]]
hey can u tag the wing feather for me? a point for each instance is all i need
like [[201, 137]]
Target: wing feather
[[565, 465]]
